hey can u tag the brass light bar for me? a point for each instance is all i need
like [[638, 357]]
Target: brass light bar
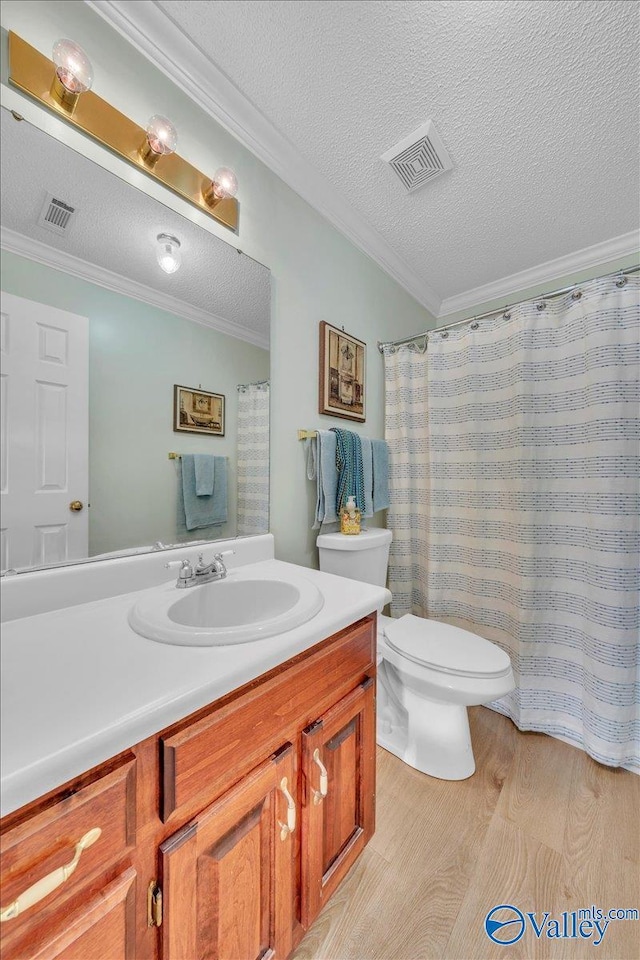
[[33, 73]]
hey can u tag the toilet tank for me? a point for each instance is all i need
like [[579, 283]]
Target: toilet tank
[[364, 556]]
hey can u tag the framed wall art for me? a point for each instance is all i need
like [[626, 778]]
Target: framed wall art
[[198, 411], [342, 374]]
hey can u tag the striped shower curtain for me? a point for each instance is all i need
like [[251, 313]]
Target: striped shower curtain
[[253, 458], [514, 503]]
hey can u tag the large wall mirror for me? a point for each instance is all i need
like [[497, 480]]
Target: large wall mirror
[[95, 338]]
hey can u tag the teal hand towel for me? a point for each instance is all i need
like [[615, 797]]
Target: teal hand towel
[[204, 465], [367, 476], [380, 456], [326, 473], [201, 511], [349, 463], [219, 496]]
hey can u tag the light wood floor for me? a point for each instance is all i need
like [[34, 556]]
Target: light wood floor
[[540, 825]]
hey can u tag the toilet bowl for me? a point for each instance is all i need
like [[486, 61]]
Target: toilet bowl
[[428, 672]]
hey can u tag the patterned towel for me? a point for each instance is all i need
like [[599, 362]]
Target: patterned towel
[[350, 470]]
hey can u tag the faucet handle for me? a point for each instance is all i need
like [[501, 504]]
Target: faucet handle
[[225, 553], [186, 570]]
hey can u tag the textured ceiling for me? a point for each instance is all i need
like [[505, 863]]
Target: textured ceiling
[[536, 103], [115, 227]]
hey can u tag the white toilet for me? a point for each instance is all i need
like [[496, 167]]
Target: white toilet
[[428, 672]]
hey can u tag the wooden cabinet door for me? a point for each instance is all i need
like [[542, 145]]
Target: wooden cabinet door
[[336, 826], [227, 876]]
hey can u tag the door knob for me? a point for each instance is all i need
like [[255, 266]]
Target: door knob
[[76, 506]]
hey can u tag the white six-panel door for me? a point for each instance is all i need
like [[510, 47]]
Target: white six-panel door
[[44, 434]]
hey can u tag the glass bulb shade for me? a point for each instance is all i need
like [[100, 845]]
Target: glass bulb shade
[[162, 136], [224, 183], [168, 253], [73, 66]]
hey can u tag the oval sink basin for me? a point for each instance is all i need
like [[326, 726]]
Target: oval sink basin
[[225, 611]]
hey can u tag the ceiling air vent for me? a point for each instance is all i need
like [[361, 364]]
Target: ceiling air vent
[[419, 158], [56, 215]]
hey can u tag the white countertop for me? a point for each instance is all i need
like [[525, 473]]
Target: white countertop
[[78, 685]]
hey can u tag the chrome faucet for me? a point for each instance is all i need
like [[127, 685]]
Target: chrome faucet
[[203, 572]]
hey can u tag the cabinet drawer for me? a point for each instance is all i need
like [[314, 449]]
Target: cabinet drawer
[[43, 843], [100, 926], [207, 756]]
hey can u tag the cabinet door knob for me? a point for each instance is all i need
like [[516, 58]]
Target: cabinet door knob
[[76, 506], [290, 825], [319, 795], [42, 888]]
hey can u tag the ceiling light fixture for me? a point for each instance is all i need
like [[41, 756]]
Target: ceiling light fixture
[[161, 140], [224, 186], [168, 253], [63, 86], [73, 76]]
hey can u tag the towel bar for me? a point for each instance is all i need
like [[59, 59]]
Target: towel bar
[[307, 434], [178, 456]]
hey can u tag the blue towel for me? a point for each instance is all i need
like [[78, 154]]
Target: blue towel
[[367, 476], [204, 465], [325, 472], [200, 511], [349, 463], [380, 452]]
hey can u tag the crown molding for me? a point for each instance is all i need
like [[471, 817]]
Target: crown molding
[[560, 268], [61, 260], [158, 38]]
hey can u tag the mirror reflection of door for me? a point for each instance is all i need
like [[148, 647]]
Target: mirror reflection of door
[[45, 456]]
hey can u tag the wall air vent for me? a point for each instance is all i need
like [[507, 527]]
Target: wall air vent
[[419, 158], [56, 215]]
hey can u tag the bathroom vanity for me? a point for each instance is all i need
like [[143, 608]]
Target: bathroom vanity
[[223, 833]]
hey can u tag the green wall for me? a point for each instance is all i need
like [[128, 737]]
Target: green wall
[[136, 355]]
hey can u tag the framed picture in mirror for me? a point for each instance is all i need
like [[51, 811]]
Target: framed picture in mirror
[[342, 374], [198, 411]]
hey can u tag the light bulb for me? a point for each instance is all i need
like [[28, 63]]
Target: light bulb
[[74, 73], [223, 186], [224, 183], [168, 253], [73, 66], [162, 136]]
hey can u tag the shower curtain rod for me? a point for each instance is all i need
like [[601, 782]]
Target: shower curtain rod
[[507, 307]]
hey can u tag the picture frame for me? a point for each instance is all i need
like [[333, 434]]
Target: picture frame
[[198, 411], [342, 374]]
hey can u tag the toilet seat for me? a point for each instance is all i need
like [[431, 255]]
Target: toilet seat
[[445, 648]]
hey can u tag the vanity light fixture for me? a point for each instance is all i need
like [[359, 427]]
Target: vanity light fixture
[[224, 186], [160, 141], [73, 74], [168, 253], [150, 149]]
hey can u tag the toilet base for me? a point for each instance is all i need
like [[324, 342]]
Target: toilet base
[[430, 736]]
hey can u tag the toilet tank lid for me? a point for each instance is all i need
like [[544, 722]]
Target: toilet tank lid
[[365, 540]]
